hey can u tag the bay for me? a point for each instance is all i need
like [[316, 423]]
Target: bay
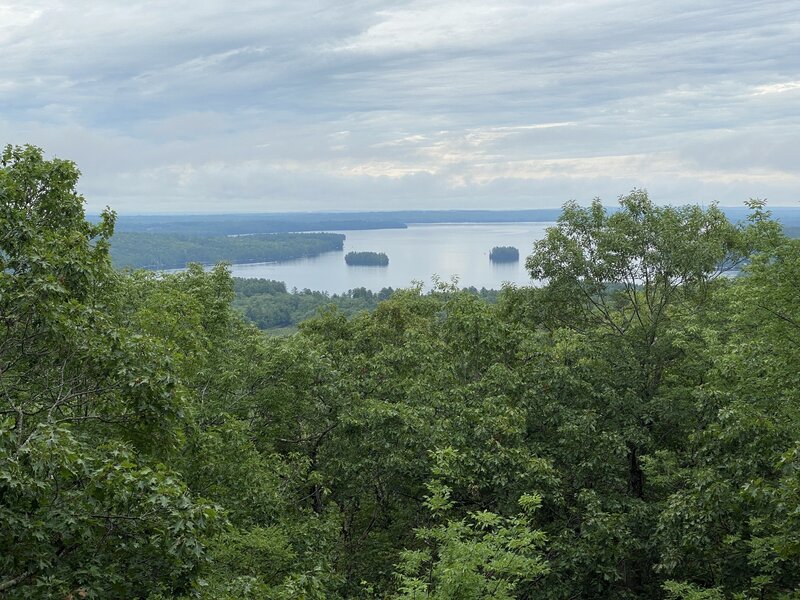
[[416, 254]]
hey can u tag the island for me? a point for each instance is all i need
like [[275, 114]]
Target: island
[[504, 254], [366, 259]]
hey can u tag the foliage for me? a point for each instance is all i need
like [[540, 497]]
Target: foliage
[[271, 307], [89, 409], [628, 430], [267, 303], [481, 556]]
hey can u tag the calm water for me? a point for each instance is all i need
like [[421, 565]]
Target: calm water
[[415, 254]]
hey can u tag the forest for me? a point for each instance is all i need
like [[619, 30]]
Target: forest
[[268, 305], [175, 250], [627, 430]]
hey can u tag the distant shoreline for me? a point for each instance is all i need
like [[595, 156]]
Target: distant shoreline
[[287, 222]]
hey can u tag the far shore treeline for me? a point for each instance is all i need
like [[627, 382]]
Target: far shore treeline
[[238, 224], [234, 224]]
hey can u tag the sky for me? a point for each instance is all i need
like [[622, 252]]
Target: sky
[[211, 106]]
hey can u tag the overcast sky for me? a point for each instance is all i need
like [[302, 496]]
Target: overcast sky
[[211, 106]]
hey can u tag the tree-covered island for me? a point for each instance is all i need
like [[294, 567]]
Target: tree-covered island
[[366, 259], [504, 254]]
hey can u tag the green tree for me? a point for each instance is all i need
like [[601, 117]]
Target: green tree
[[88, 409], [627, 283], [732, 523]]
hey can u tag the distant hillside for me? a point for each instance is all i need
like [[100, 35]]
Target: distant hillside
[[230, 224], [301, 222], [248, 224]]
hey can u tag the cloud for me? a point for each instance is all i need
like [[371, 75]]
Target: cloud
[[777, 88], [378, 104]]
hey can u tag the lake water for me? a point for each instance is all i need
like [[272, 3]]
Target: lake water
[[415, 254]]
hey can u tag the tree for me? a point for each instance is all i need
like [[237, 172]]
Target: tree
[[482, 556], [627, 284], [87, 411], [733, 524], [628, 276]]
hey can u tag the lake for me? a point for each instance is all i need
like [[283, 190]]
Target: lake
[[415, 254]]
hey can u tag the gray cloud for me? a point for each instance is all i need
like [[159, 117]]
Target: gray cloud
[[174, 106]]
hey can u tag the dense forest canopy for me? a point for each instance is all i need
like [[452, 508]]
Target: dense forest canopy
[[268, 304], [629, 430]]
